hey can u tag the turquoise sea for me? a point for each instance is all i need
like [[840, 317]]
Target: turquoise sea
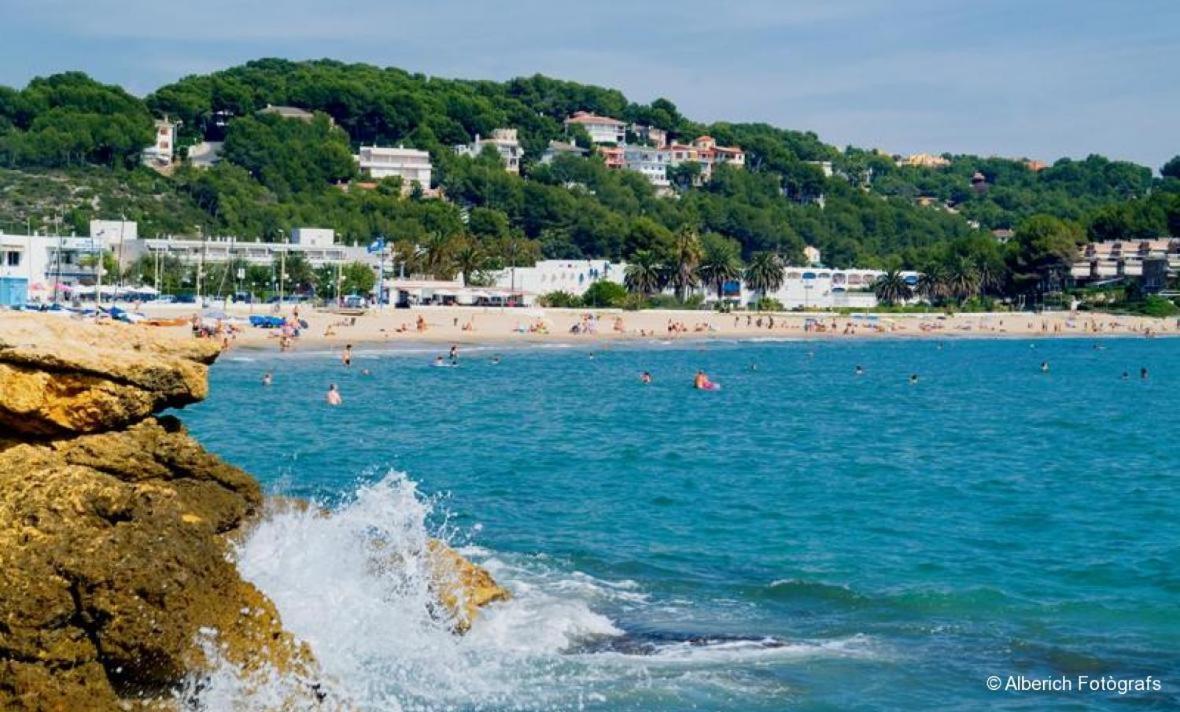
[[805, 538]]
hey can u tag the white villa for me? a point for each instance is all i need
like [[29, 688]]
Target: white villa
[[411, 165], [504, 141], [602, 129], [651, 162], [159, 154]]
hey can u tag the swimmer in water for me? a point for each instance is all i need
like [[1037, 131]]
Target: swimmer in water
[[267, 379], [1044, 366], [333, 396], [438, 361], [1143, 373], [495, 359], [1126, 375], [701, 382], [913, 378], [645, 377], [454, 353], [860, 370], [753, 366], [365, 372], [346, 359]]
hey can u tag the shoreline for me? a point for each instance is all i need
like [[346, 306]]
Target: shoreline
[[509, 327]]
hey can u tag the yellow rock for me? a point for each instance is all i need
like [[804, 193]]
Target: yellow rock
[[461, 586]]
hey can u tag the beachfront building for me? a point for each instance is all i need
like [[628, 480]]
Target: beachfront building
[[602, 129], [318, 245], [504, 141], [411, 165], [571, 276], [560, 148], [160, 153], [33, 267], [651, 162], [1116, 259]]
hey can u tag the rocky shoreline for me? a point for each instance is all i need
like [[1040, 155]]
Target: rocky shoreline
[[115, 527]]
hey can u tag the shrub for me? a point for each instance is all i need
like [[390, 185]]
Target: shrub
[[768, 304], [605, 294], [561, 300], [1158, 307]]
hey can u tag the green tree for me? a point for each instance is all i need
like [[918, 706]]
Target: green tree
[[471, 260], [1046, 247], [644, 273], [1171, 169], [604, 293], [685, 258], [891, 288], [765, 274], [721, 261], [357, 278]]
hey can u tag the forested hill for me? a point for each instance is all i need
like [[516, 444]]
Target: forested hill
[[71, 144]]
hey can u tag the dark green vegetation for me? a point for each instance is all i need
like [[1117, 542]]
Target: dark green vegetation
[[70, 146]]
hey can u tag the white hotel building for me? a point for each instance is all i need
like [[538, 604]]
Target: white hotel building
[[411, 165]]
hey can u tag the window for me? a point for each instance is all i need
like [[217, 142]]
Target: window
[[12, 259]]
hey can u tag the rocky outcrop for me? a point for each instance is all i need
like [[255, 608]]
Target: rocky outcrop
[[113, 523], [460, 586], [115, 527]]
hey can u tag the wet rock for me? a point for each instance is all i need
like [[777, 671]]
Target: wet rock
[[463, 588], [114, 523]]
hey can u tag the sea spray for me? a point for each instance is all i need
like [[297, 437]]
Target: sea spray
[[354, 583]]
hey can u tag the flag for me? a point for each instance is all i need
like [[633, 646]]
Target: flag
[[377, 245]]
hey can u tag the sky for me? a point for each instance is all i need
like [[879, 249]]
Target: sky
[[1022, 78]]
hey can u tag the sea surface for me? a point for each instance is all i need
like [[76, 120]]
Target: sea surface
[[803, 539]]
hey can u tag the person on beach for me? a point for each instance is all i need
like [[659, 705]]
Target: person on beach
[[346, 359], [645, 377], [267, 379], [333, 396]]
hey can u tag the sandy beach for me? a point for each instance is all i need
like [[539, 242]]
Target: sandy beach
[[474, 325]]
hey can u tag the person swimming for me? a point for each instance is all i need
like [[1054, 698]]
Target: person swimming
[[860, 370], [1126, 375], [702, 383], [495, 359], [1044, 366], [346, 358], [438, 361], [913, 378], [454, 353], [366, 372], [333, 396], [1143, 373], [267, 379], [645, 377]]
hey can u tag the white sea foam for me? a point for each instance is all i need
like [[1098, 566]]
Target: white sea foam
[[354, 585]]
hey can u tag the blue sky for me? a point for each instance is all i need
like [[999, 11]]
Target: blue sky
[[1036, 78]]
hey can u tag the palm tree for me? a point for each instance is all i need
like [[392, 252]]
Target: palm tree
[[469, 258], [644, 274], [891, 288], [721, 261], [989, 274], [765, 273], [961, 279], [436, 255], [932, 283], [686, 255]]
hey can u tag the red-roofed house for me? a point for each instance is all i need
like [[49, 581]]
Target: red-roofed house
[[602, 129], [704, 150]]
